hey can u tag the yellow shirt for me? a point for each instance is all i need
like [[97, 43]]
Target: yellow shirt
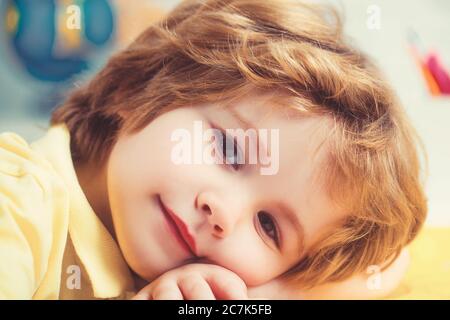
[[52, 245]]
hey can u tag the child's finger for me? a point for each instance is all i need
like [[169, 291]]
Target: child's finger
[[195, 287], [229, 289], [167, 291]]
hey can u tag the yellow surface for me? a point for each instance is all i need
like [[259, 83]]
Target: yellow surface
[[428, 276]]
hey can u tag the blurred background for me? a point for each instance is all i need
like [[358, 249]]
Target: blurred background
[[46, 51]]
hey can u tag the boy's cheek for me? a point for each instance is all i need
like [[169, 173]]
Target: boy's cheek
[[264, 291]]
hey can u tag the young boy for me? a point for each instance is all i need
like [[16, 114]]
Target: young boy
[[112, 202]]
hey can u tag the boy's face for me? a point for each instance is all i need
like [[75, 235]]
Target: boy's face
[[233, 212]]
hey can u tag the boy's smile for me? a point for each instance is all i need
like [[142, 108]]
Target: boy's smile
[[178, 229]]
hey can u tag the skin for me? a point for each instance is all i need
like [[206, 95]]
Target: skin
[[221, 205]]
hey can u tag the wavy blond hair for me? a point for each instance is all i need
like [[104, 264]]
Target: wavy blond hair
[[217, 50]]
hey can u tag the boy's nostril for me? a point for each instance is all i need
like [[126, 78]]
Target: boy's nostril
[[217, 228], [206, 208]]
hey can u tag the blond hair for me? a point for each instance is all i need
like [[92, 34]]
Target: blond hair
[[217, 50]]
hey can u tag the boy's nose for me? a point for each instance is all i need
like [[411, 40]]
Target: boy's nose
[[221, 215]]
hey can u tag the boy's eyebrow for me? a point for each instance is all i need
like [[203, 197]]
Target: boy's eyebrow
[[247, 124]]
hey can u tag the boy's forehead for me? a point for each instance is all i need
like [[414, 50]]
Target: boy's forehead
[[266, 110], [251, 107], [261, 105]]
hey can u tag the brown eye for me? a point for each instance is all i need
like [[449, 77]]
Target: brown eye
[[268, 226]]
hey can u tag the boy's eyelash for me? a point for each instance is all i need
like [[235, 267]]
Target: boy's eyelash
[[225, 136], [276, 237]]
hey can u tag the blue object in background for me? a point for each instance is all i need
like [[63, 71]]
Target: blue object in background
[[47, 45]]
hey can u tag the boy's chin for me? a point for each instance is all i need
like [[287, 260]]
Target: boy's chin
[[151, 273], [147, 275]]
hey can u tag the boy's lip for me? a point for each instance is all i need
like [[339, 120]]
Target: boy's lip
[[180, 226]]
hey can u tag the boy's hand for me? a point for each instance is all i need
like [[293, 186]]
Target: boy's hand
[[195, 281]]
